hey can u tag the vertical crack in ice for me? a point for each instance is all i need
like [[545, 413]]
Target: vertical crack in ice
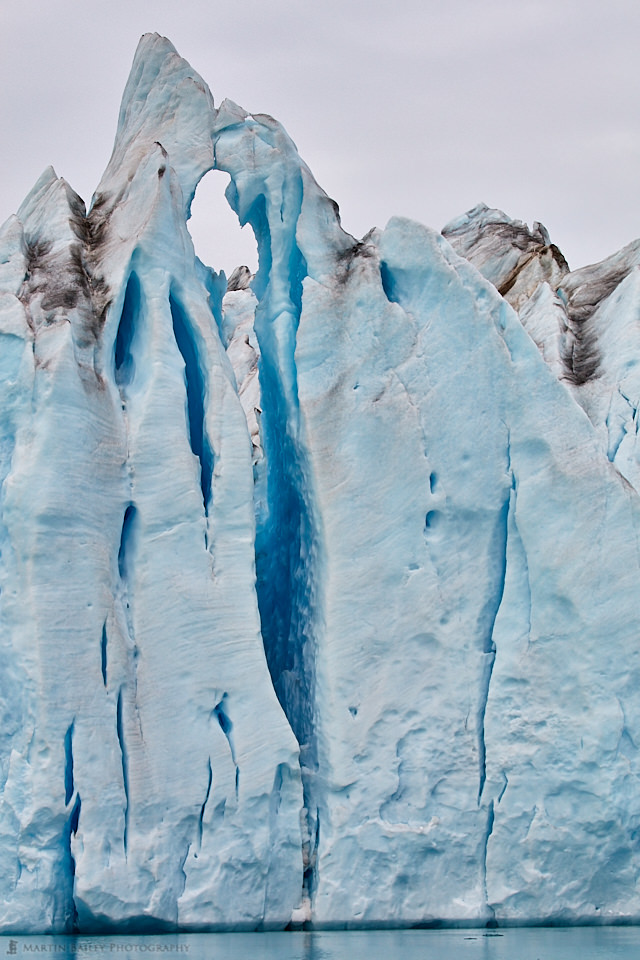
[[626, 744], [286, 531], [123, 357], [204, 805], [125, 767], [504, 786], [124, 369], [310, 852], [68, 764], [490, 614], [616, 432], [498, 556], [103, 653], [388, 283], [125, 566], [195, 383], [518, 544], [488, 831], [126, 557], [284, 555], [183, 881], [286, 550], [70, 829], [224, 721], [618, 426]]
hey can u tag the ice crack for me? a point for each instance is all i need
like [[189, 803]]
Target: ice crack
[[221, 715], [204, 805], [70, 829], [125, 767], [195, 384]]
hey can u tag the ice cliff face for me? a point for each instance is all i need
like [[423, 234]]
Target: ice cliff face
[[319, 588], [148, 772]]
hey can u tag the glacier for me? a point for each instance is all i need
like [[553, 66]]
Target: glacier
[[318, 587]]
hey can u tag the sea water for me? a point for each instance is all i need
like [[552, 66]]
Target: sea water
[[524, 943]]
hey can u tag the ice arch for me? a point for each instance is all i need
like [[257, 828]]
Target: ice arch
[[218, 239]]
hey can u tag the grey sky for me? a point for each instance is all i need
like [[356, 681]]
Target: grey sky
[[414, 107]]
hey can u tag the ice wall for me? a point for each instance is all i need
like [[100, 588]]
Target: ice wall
[[318, 588], [149, 776]]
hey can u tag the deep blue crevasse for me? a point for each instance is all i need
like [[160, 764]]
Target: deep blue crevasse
[[123, 356], [196, 395]]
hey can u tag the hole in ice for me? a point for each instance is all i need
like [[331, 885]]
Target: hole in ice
[[432, 520], [388, 284], [123, 357], [125, 541], [353, 711], [225, 723], [219, 240]]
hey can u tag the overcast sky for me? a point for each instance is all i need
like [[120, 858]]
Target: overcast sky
[[415, 107]]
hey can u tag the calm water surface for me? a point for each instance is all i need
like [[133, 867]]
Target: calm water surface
[[559, 943]]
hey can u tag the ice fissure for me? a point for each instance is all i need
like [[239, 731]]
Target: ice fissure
[[126, 543], [70, 829], [284, 556], [125, 571], [103, 653], [68, 764], [286, 538], [195, 380], [414, 462], [489, 830], [70, 921], [123, 357], [204, 803], [498, 561], [225, 724], [124, 758]]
